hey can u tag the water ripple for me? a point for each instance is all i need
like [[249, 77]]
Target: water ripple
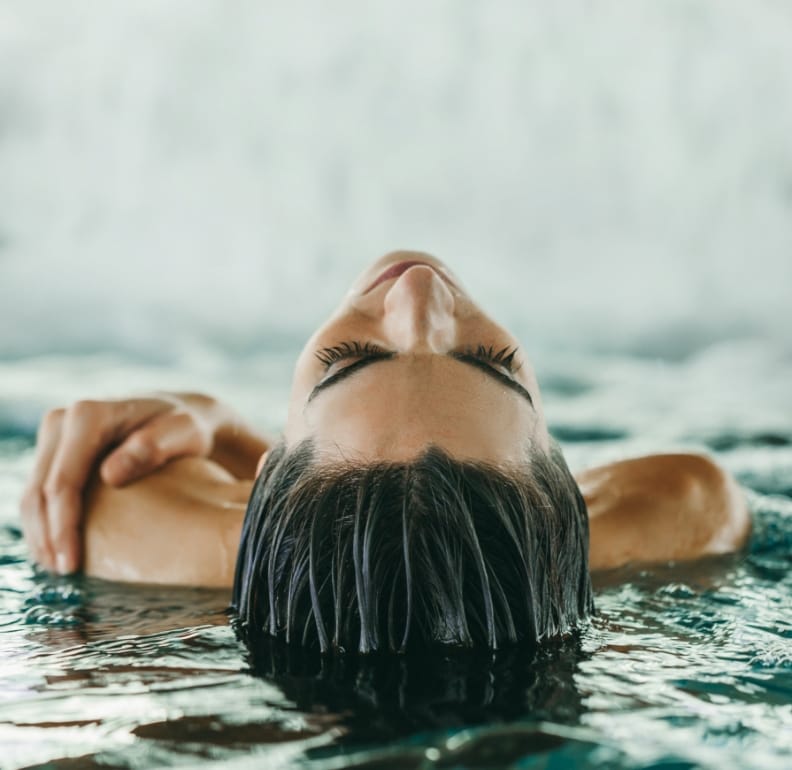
[[684, 666]]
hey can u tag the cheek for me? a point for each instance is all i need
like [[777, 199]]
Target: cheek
[[295, 428], [303, 380]]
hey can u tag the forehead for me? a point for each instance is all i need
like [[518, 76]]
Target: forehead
[[394, 409]]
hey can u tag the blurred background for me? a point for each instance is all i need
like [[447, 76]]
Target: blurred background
[[189, 185]]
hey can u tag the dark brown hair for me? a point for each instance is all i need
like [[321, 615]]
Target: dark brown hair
[[393, 556]]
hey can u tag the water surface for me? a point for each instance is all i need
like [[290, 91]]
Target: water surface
[[683, 666]]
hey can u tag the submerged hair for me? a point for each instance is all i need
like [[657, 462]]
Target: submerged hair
[[392, 556]]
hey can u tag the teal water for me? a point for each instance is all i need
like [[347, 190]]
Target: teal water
[[684, 666]]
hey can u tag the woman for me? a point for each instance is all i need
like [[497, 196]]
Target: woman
[[415, 495]]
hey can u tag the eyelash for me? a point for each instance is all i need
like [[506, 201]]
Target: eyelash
[[344, 350], [504, 357], [354, 349]]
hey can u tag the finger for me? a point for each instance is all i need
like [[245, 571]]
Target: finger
[[33, 506], [92, 426], [127, 415], [35, 529], [84, 434], [171, 435]]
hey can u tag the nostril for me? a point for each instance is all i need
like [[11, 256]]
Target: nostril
[[419, 310], [419, 290]]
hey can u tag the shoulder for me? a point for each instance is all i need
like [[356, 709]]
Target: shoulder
[[662, 508], [178, 525]]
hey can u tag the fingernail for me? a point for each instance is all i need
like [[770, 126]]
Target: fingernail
[[134, 461], [62, 564], [136, 454], [127, 463], [119, 470]]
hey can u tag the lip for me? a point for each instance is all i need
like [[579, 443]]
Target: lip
[[394, 271]]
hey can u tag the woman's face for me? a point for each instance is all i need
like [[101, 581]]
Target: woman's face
[[408, 360]]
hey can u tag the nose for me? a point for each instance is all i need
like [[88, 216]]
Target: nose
[[419, 312]]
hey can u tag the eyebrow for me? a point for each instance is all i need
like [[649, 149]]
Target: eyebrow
[[464, 358]]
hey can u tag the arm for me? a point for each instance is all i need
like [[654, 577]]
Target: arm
[[128, 439], [659, 508], [236, 446], [179, 525]]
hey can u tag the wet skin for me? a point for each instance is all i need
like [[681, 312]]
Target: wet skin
[[421, 369], [406, 361]]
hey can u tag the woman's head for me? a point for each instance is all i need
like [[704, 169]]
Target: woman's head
[[420, 364], [416, 496], [399, 555]]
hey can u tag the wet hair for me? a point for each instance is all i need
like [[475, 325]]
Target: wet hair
[[397, 556]]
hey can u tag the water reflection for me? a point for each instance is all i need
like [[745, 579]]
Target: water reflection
[[684, 665], [384, 698]]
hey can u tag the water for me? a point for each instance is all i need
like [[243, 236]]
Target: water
[[684, 666], [191, 185]]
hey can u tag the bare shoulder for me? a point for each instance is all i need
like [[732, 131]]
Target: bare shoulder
[[179, 525], [662, 508]]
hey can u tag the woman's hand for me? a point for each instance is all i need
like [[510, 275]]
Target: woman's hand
[[129, 438]]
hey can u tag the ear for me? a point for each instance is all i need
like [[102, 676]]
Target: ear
[[261, 462]]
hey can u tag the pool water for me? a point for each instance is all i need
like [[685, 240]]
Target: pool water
[[683, 666]]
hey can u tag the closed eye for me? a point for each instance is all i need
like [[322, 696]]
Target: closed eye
[[362, 354], [347, 350], [489, 366], [505, 358], [491, 362]]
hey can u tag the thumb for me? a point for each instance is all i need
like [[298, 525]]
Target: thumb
[[151, 446]]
